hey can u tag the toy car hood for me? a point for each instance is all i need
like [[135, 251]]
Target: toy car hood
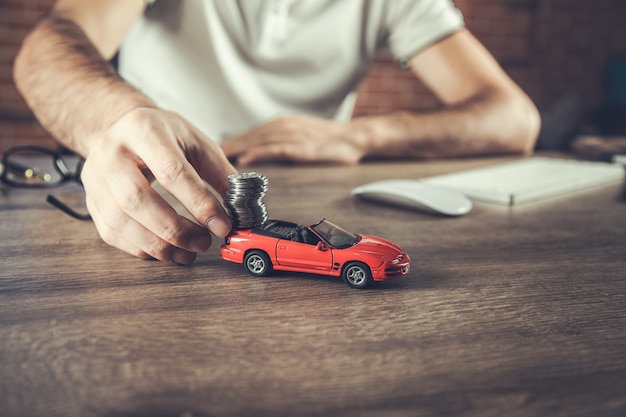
[[378, 246]]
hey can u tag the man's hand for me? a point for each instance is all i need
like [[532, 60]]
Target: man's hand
[[296, 138], [62, 72], [146, 144]]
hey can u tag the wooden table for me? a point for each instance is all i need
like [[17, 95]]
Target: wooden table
[[506, 312]]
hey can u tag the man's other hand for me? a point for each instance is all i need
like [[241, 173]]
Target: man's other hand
[[297, 139]]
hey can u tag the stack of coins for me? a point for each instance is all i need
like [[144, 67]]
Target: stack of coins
[[244, 199]]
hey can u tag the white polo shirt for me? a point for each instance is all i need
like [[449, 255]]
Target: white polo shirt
[[228, 65]]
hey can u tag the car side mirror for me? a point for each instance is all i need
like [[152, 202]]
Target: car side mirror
[[321, 246]]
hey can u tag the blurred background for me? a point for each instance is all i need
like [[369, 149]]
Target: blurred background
[[568, 55]]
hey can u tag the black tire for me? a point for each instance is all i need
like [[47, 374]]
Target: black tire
[[257, 263], [357, 275]]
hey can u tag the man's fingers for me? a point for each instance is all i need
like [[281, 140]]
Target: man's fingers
[[212, 164], [176, 174], [139, 241], [131, 216], [134, 195]]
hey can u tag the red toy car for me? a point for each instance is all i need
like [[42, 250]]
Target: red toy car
[[322, 248]]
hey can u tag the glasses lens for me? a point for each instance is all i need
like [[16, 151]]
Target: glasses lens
[[26, 167]]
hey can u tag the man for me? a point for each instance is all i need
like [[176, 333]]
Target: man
[[249, 80]]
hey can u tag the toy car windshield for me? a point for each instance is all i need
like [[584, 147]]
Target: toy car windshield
[[335, 235]]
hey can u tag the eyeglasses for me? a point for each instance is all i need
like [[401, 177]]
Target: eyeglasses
[[37, 167]]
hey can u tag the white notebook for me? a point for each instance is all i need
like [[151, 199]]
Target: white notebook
[[529, 179]]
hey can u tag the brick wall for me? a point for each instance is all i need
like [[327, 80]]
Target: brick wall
[[557, 50], [553, 48]]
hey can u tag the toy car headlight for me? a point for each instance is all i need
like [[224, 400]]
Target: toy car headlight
[[399, 259]]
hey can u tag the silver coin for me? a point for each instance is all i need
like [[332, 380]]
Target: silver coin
[[244, 199], [248, 216], [246, 175], [246, 213], [235, 185], [243, 205]]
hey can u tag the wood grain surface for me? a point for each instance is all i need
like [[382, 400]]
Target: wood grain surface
[[506, 312]]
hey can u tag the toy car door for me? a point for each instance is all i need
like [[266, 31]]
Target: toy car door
[[305, 252]]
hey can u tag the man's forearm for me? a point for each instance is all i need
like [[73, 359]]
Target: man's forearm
[[486, 125], [73, 91]]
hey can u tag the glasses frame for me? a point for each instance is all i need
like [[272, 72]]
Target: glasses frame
[[66, 175]]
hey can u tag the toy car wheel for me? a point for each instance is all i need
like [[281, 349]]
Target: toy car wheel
[[357, 275], [258, 263]]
